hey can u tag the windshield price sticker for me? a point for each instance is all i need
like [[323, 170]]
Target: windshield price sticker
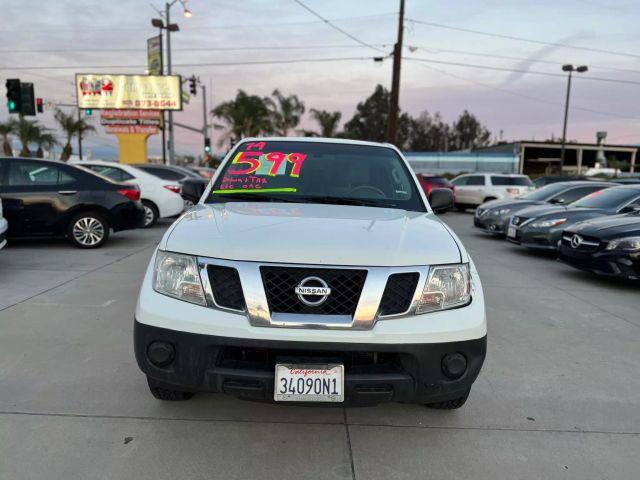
[[252, 169]]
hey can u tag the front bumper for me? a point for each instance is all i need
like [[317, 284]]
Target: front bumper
[[374, 372], [537, 239], [491, 224], [127, 216], [606, 263]]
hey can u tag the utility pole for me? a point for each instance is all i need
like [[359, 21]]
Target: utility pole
[[164, 125], [172, 159], [392, 123], [79, 137], [205, 125]]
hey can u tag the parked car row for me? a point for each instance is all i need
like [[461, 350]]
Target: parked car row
[[85, 200], [592, 225]]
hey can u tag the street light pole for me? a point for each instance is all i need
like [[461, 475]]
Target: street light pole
[[568, 68], [172, 152]]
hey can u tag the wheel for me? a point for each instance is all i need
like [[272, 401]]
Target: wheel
[[162, 393], [88, 230], [450, 404], [151, 214], [488, 199], [188, 204], [460, 207]]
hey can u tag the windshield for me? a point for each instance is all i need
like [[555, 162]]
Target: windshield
[[314, 172], [545, 192], [607, 199]]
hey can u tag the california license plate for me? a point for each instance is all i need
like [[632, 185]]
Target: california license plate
[[309, 383], [511, 232]]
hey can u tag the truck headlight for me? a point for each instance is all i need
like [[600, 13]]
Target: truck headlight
[[448, 286], [629, 244], [176, 275], [553, 222]]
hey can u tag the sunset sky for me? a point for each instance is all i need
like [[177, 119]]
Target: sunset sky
[[109, 36]]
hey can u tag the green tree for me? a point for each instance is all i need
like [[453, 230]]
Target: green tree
[[45, 140], [468, 133], [72, 127], [429, 134], [244, 116], [329, 122], [286, 112], [6, 129], [370, 120], [27, 132]]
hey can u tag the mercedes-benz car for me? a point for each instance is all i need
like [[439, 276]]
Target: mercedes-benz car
[[608, 246], [313, 270], [541, 227], [493, 216]]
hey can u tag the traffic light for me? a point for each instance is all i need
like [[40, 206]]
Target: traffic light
[[28, 100], [14, 95], [207, 146], [192, 86], [39, 105], [88, 111]]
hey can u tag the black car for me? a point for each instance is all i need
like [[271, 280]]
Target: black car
[[172, 173], [549, 179], [493, 216], [541, 227], [607, 246], [43, 198]]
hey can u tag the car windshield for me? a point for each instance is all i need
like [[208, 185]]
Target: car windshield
[[545, 192], [316, 172], [608, 198]]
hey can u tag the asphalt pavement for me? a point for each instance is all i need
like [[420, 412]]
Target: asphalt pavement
[[558, 398]]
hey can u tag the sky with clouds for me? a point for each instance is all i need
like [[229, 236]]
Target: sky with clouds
[[109, 36]]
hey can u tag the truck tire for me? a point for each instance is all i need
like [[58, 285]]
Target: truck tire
[[162, 393], [450, 404]]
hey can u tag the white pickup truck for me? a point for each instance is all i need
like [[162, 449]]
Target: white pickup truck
[[312, 270]]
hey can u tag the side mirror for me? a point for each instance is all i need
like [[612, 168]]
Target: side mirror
[[441, 199], [193, 189], [631, 209], [558, 200]]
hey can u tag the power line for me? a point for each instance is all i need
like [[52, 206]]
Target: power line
[[520, 70], [335, 27], [509, 57], [208, 64], [523, 39], [525, 96]]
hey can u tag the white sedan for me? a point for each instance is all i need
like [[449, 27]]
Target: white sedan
[[161, 198]]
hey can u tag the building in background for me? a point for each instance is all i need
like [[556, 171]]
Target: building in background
[[458, 162], [540, 158]]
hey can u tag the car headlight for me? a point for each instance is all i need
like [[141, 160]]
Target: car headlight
[[503, 211], [176, 275], [448, 286], [629, 244], [554, 222]]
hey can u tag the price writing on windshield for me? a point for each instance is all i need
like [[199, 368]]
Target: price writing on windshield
[[254, 161]]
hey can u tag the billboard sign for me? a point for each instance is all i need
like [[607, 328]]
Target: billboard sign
[[139, 92], [131, 121], [154, 55]]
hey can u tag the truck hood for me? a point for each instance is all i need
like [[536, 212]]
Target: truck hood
[[313, 234]]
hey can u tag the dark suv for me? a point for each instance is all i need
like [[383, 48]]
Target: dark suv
[[43, 198]]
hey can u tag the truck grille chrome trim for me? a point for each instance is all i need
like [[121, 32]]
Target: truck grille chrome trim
[[257, 306]]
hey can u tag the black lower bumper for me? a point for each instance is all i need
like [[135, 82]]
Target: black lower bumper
[[374, 373], [609, 264], [492, 225], [127, 216]]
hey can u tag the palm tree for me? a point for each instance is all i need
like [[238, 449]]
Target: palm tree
[[328, 122], [72, 127], [6, 129], [27, 132], [45, 141], [286, 112], [244, 116]]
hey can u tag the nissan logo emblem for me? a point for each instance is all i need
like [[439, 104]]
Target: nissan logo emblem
[[576, 241], [313, 291]]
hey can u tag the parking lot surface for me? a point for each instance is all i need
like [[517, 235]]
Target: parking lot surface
[[559, 395]]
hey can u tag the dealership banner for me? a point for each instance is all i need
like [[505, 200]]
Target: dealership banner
[[154, 55], [131, 121], [143, 92]]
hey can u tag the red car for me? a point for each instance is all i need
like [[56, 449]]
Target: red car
[[429, 182]]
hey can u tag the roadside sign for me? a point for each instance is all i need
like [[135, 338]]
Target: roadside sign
[[154, 55]]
